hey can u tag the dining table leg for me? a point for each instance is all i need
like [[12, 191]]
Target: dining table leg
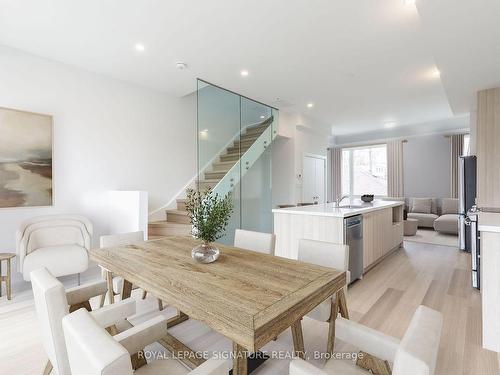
[[111, 293], [298, 339], [240, 363], [126, 289], [334, 311], [342, 303]]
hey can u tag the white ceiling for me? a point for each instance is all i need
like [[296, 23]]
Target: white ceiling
[[362, 62]]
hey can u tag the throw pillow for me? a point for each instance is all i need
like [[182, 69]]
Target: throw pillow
[[449, 206], [422, 205]]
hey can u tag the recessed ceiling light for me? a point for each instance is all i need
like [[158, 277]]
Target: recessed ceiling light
[[244, 73], [139, 47], [436, 73], [262, 117], [310, 105], [390, 124], [180, 65]]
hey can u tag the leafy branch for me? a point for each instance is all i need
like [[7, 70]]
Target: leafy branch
[[209, 214]]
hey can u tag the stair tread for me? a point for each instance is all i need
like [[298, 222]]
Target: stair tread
[[209, 181], [177, 212], [167, 224]]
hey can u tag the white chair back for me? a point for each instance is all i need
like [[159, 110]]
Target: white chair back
[[122, 239], [325, 254], [92, 350], [51, 306], [417, 353], [255, 241]]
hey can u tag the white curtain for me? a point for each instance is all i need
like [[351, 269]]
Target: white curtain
[[395, 185], [335, 173], [457, 148]]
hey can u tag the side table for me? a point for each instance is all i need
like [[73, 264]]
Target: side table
[[7, 257], [410, 227]]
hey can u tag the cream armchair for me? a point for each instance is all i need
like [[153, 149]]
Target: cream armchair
[[92, 351], [53, 302], [415, 354], [59, 243]]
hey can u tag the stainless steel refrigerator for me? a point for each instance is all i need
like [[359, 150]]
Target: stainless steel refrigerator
[[466, 198], [468, 231]]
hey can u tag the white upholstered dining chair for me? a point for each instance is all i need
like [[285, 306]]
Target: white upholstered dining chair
[[255, 241], [331, 255], [415, 354], [115, 284], [53, 302], [325, 254], [44, 240], [92, 351]]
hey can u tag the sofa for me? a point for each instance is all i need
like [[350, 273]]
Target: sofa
[[441, 214]]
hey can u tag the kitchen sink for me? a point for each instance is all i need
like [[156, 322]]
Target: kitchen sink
[[351, 206]]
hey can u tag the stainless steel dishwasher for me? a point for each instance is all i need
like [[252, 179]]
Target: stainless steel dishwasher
[[353, 237]]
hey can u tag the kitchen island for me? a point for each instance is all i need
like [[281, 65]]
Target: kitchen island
[[382, 232]]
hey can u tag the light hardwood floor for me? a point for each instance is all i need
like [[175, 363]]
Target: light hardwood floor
[[385, 299]]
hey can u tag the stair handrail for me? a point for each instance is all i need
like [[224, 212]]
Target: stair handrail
[[247, 159]]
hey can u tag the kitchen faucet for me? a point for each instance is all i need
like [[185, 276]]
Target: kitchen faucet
[[340, 199]]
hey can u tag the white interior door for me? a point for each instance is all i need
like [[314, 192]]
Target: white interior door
[[320, 185], [313, 179]]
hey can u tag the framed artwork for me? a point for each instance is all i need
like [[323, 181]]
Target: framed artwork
[[25, 159]]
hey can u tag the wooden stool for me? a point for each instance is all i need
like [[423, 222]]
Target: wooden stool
[[7, 257]]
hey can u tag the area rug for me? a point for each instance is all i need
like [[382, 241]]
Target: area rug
[[432, 237]]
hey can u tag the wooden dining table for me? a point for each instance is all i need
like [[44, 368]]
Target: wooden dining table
[[248, 297]]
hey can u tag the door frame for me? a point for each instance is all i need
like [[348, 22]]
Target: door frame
[[315, 156]]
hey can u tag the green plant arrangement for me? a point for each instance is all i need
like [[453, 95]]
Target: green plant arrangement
[[209, 215]]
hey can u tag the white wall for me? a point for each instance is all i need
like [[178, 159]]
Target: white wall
[[108, 135], [300, 135], [427, 166]]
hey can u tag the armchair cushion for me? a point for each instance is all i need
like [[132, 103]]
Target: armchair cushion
[[85, 292], [141, 335], [114, 314], [59, 260]]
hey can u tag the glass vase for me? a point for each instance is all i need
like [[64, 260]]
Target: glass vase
[[205, 253]]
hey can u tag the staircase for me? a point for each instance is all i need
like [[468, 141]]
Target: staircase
[[177, 221]]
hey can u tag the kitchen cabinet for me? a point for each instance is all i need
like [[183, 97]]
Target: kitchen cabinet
[[487, 148]]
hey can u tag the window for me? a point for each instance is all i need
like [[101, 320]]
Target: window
[[466, 145], [364, 170]]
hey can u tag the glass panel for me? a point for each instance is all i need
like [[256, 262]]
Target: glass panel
[[256, 124], [234, 154], [218, 129]]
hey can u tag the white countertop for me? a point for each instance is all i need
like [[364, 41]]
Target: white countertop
[[489, 222], [329, 209]]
